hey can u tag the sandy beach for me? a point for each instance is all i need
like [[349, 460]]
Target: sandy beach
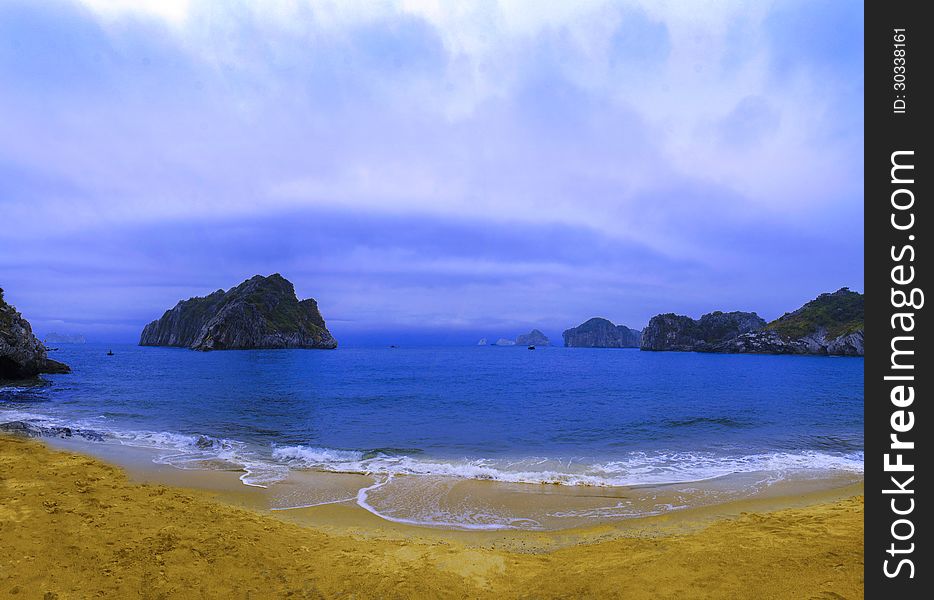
[[75, 527]]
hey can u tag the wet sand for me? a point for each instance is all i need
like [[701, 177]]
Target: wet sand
[[75, 527], [461, 503]]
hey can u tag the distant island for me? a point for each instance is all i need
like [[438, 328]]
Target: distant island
[[22, 356], [533, 338], [831, 324], [64, 338], [601, 333], [261, 312], [680, 333]]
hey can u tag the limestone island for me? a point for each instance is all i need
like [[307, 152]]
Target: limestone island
[[533, 338], [831, 324], [260, 313], [22, 355], [601, 333]]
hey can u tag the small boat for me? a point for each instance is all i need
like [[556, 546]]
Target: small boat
[[531, 347], [110, 353]]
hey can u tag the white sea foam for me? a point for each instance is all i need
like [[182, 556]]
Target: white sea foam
[[620, 510], [636, 469], [264, 466], [311, 455], [12, 414], [186, 451], [474, 520], [183, 451]]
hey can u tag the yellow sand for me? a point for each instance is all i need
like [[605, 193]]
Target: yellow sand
[[74, 527]]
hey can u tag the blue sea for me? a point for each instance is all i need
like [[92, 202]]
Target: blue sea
[[570, 416]]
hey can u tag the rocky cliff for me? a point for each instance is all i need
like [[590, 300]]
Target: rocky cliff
[[680, 333], [832, 323], [533, 338], [22, 355], [601, 333], [261, 312]]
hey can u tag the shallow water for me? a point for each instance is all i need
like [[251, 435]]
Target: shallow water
[[422, 422]]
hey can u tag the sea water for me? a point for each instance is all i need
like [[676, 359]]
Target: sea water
[[422, 421]]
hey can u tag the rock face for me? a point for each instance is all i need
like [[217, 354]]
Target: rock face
[[482, 342], [504, 342], [601, 333], [21, 355], [533, 338], [830, 324], [261, 312], [677, 332]]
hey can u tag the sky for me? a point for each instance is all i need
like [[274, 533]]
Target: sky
[[429, 171]]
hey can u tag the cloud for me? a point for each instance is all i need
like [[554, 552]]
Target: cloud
[[174, 11], [661, 141], [750, 122]]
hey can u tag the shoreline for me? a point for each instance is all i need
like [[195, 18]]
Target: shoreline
[[76, 526], [304, 494]]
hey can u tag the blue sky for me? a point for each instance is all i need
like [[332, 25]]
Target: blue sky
[[432, 171]]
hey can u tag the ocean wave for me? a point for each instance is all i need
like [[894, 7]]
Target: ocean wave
[[189, 451], [727, 422], [637, 468], [22, 394], [265, 465], [14, 414]]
